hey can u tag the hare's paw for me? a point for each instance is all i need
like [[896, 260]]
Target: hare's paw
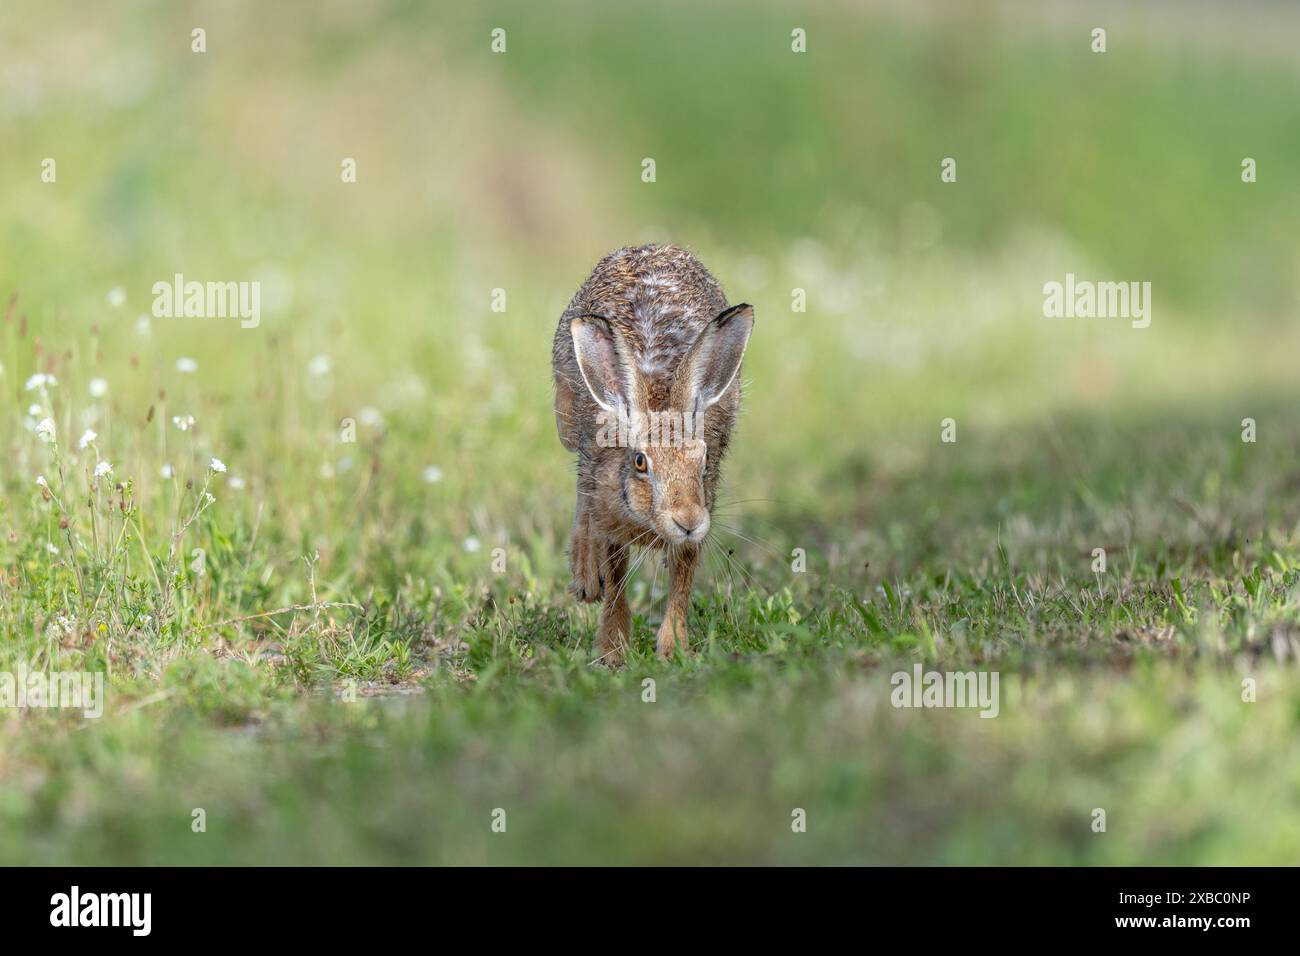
[[588, 584], [612, 656], [672, 638], [611, 644]]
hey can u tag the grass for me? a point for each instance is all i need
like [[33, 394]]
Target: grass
[[323, 658]]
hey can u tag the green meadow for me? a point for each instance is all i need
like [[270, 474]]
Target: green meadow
[[320, 560]]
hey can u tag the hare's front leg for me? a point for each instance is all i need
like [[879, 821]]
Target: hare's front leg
[[615, 615], [586, 549], [681, 572]]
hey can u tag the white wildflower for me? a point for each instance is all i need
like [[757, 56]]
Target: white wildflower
[[183, 422], [471, 544], [41, 380], [116, 297], [235, 482], [433, 474], [45, 430], [87, 437], [370, 417], [185, 364], [319, 366], [103, 470], [218, 466], [40, 480], [165, 471], [98, 387]]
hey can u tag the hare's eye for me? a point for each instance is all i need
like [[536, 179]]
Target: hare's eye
[[640, 462]]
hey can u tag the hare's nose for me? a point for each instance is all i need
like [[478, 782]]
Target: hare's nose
[[693, 522]]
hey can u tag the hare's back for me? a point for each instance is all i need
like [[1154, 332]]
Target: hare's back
[[659, 296]]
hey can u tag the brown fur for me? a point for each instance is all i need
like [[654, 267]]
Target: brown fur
[[653, 333]]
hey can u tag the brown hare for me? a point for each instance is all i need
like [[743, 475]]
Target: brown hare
[[647, 387]]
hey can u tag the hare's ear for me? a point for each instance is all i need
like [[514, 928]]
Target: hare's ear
[[713, 361], [605, 363]]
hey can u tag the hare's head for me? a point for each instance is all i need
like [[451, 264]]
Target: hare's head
[[652, 426]]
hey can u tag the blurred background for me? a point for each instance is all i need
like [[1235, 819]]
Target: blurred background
[[817, 171]]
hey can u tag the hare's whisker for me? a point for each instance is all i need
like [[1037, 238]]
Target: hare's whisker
[[754, 541], [634, 564], [750, 581]]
